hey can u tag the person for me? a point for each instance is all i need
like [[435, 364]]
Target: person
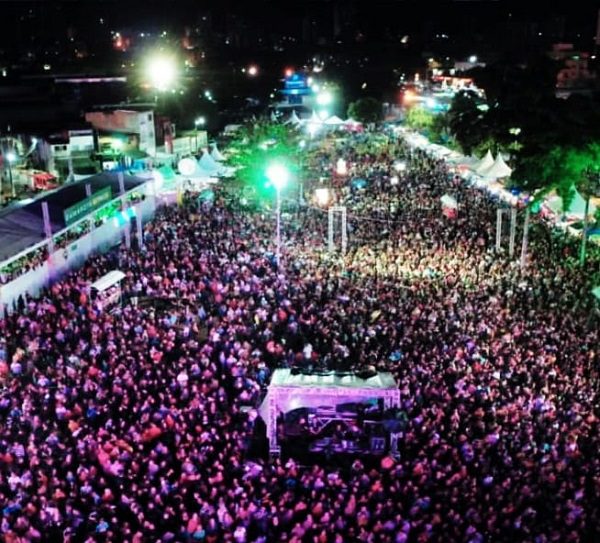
[[135, 426]]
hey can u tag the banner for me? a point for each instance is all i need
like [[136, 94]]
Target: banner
[[82, 208]]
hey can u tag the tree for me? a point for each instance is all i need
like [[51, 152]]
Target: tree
[[256, 145], [366, 110], [439, 132], [588, 186], [565, 169], [464, 120], [418, 118]]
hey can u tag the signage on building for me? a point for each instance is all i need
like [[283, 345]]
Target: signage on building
[[82, 208]]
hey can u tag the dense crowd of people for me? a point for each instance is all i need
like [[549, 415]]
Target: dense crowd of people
[[136, 425]]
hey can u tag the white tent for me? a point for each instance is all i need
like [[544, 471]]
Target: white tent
[[106, 281], [576, 209], [274, 118], [289, 391], [216, 154], [334, 121], [484, 163], [294, 119], [208, 165], [314, 118], [449, 201], [350, 121], [497, 170]]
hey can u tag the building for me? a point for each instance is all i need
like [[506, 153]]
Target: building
[[133, 125], [574, 74]]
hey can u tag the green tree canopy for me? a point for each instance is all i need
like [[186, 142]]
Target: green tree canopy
[[257, 145], [465, 120], [418, 118], [366, 110], [562, 168]]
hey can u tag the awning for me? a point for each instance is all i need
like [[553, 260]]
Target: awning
[[107, 281]]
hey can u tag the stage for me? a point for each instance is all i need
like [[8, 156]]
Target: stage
[[322, 393]]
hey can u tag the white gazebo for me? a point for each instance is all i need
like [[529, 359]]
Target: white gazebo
[[294, 119], [484, 163], [216, 154], [497, 170], [288, 391], [208, 165], [334, 121]]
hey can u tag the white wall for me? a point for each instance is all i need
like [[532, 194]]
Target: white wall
[[71, 257]]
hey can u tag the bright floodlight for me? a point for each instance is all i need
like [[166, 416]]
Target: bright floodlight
[[200, 121], [324, 98], [473, 59], [252, 70], [322, 196], [11, 157], [162, 72], [278, 175]]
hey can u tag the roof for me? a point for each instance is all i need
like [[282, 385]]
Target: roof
[[285, 378], [22, 225], [108, 280], [497, 169]]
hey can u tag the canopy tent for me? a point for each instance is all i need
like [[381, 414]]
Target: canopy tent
[[294, 119], [106, 291], [439, 150], [576, 209], [208, 165], [351, 122], [486, 162], [334, 121], [461, 161], [288, 391], [216, 154], [497, 170], [314, 118], [168, 174], [106, 281], [416, 140], [449, 201]]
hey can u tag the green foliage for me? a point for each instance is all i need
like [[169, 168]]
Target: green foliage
[[418, 118], [465, 120], [257, 145], [563, 168], [366, 110]]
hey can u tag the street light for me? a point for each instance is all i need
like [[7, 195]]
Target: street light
[[278, 175], [10, 158], [162, 72]]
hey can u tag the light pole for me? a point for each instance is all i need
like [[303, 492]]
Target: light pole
[[199, 121], [10, 158], [278, 175]]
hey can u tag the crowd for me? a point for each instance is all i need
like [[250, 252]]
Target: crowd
[[136, 425]]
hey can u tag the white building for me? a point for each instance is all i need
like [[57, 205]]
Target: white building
[[130, 122]]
